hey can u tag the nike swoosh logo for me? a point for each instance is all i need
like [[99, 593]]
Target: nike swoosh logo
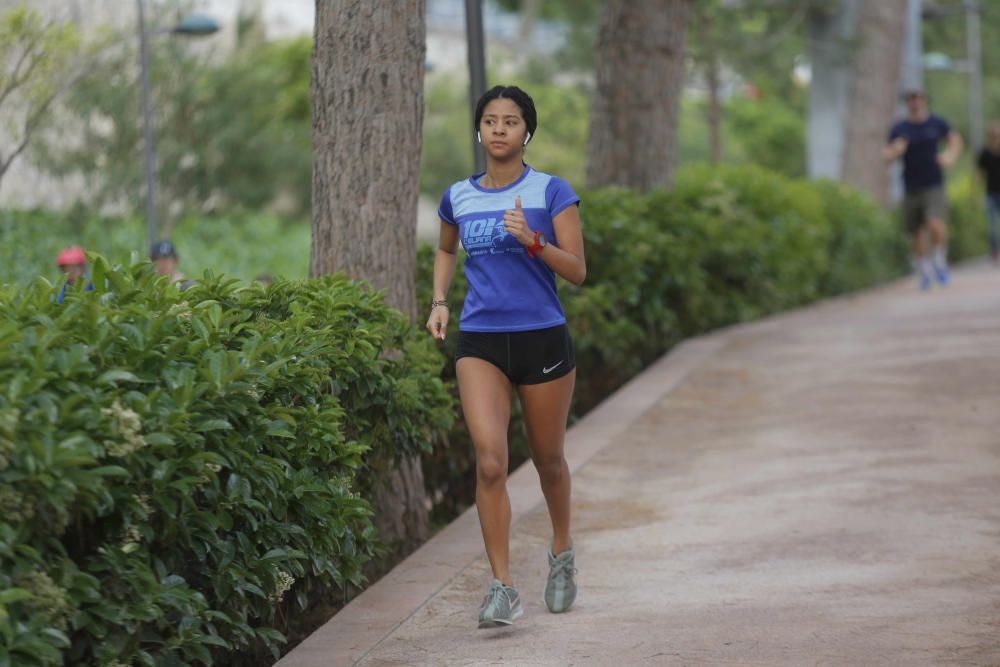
[[548, 370]]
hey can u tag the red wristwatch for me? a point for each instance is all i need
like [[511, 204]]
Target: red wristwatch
[[540, 243]]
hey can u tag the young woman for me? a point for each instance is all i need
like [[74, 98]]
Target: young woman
[[519, 228], [989, 168]]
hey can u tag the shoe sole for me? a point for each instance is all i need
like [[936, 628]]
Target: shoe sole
[[561, 611], [498, 622]]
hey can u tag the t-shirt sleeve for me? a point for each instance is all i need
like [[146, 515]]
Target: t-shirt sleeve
[[559, 196], [444, 209], [945, 128], [895, 132]]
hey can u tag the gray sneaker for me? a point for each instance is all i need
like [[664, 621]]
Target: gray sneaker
[[560, 588], [501, 606]]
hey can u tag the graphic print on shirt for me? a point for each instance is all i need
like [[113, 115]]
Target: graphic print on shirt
[[488, 236]]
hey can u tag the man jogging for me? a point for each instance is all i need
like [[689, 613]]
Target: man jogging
[[916, 139]]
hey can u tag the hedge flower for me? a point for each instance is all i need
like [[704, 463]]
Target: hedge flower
[[14, 506], [46, 598], [128, 426], [8, 424], [283, 583]]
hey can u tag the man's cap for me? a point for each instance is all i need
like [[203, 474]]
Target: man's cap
[[162, 249], [70, 256]]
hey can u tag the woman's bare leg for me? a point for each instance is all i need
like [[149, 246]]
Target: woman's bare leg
[[486, 394], [546, 409]]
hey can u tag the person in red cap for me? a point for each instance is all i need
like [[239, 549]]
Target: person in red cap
[[73, 263]]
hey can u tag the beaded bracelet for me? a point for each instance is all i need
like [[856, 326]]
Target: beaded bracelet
[[435, 304]]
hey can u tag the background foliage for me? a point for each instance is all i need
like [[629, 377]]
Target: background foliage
[[230, 135]]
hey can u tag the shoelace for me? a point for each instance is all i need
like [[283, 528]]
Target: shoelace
[[562, 568], [494, 591]]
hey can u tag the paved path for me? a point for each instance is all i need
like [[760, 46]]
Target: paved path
[[820, 488]]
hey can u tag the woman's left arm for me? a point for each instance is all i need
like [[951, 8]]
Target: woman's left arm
[[568, 259]]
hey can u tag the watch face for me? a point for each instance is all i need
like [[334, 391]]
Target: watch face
[[542, 241]]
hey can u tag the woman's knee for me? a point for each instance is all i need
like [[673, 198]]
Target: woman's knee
[[491, 469], [550, 468]]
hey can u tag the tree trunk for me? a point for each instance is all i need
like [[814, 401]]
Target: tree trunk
[[832, 47], [640, 75], [367, 99], [529, 20], [874, 96]]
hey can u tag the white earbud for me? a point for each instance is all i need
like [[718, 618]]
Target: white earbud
[[478, 138], [527, 138]]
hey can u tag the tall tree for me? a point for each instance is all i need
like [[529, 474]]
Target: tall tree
[[37, 60], [367, 98], [874, 95], [639, 63]]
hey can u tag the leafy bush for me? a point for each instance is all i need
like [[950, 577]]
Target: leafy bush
[[967, 226], [726, 245], [180, 470], [769, 133]]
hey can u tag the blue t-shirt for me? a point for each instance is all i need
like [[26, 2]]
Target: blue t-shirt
[[508, 290], [921, 170]]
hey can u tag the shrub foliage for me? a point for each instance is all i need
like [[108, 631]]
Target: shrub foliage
[[178, 470]]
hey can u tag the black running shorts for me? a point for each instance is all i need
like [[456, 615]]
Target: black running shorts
[[525, 357]]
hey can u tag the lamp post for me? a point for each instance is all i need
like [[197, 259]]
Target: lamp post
[[477, 69], [190, 26]]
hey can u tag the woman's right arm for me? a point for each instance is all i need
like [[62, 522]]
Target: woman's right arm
[[444, 270]]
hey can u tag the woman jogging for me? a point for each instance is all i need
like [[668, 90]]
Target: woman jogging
[[519, 228], [989, 168]]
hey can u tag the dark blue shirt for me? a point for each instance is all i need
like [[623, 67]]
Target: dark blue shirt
[[921, 170]]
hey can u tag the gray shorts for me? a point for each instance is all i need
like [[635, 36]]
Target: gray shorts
[[919, 207]]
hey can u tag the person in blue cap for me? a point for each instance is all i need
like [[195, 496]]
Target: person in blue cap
[[166, 263]]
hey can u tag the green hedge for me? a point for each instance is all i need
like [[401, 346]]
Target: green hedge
[[180, 471], [726, 245], [967, 224]]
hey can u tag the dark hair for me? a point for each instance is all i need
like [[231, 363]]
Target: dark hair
[[514, 94]]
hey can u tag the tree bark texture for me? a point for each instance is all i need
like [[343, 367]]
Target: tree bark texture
[[367, 98], [874, 96], [639, 65]]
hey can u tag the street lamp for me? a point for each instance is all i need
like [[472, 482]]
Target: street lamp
[[195, 25], [477, 69]]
